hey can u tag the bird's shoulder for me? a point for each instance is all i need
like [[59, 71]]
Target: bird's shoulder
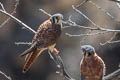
[[99, 60], [45, 25]]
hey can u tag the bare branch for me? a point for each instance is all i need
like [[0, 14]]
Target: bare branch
[[82, 3], [100, 29], [9, 78], [2, 6], [59, 62], [17, 20], [13, 12], [23, 43], [110, 40], [89, 34], [84, 16], [113, 75], [45, 12], [117, 2], [103, 10]]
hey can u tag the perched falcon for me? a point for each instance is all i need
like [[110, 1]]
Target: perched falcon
[[92, 66], [45, 38]]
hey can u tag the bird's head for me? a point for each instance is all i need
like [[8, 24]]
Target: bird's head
[[56, 18], [88, 50]]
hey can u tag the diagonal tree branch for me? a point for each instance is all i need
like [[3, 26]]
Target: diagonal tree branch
[[113, 75], [103, 10], [13, 12], [17, 20], [9, 78], [23, 43]]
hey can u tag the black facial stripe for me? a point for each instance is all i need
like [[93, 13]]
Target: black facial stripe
[[53, 20], [57, 19]]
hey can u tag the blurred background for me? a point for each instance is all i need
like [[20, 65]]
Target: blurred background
[[44, 68]]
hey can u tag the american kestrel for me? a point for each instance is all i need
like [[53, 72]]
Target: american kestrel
[[45, 38], [92, 66]]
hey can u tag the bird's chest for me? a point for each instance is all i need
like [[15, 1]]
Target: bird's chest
[[90, 67], [54, 32], [50, 35]]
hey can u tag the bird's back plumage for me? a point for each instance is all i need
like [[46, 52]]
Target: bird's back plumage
[[47, 34]]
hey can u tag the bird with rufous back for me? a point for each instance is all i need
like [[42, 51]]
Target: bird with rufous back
[[92, 66], [45, 38]]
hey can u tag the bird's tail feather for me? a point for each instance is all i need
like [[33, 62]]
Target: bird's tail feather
[[30, 59]]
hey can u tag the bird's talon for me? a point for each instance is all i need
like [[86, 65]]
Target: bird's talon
[[55, 51]]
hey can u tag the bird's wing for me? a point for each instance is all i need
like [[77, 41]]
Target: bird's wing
[[38, 40], [102, 68], [41, 31], [82, 77], [29, 50], [46, 34]]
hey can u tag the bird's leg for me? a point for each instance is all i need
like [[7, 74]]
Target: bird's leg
[[53, 55], [55, 51], [59, 62]]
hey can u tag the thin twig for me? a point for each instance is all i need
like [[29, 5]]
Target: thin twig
[[89, 34], [118, 1], [2, 6], [23, 43], [74, 8], [82, 3], [114, 74], [8, 77], [17, 20], [13, 12], [103, 10], [118, 5], [110, 40], [45, 12], [59, 62]]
